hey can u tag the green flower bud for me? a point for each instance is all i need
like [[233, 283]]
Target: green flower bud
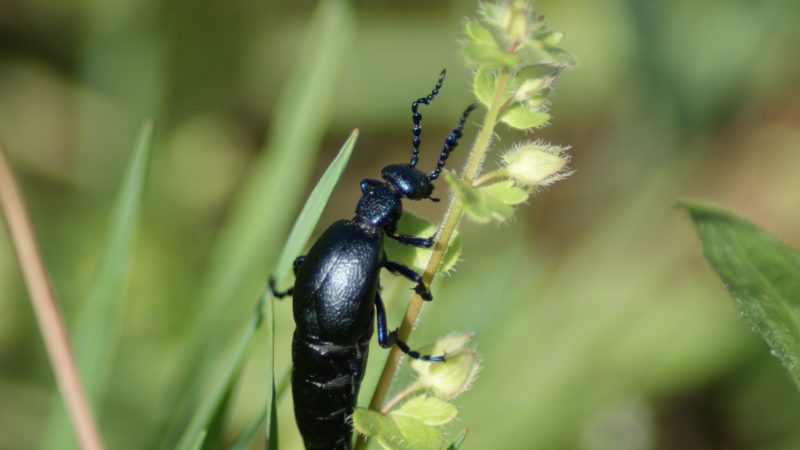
[[537, 164], [450, 378]]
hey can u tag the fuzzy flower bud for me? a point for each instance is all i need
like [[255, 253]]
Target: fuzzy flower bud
[[536, 164]]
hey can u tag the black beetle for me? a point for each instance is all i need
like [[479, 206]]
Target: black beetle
[[336, 293]]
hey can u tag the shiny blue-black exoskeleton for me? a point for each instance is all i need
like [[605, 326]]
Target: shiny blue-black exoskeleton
[[336, 294]]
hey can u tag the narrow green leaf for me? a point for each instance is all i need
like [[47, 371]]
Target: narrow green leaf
[[522, 117], [298, 237], [458, 441], [199, 441], [93, 332], [762, 275], [430, 410], [257, 225], [415, 257]]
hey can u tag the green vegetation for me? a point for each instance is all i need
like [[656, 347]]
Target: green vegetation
[[598, 322]]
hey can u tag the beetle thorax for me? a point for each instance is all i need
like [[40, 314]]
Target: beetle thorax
[[381, 207]]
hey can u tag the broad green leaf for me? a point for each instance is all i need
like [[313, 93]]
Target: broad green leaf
[[93, 332], [486, 203], [480, 35], [303, 228], [415, 257], [488, 56], [506, 192], [256, 229], [397, 432], [380, 427], [483, 85], [762, 275], [418, 435], [458, 441], [522, 118], [532, 80], [430, 410]]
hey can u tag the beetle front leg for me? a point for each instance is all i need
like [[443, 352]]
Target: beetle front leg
[[413, 241], [409, 273], [387, 339]]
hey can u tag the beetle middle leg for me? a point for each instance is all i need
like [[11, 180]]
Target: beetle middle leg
[[288, 292], [387, 339], [409, 273], [413, 241]]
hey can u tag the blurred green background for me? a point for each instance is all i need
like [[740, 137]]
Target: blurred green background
[[599, 322]]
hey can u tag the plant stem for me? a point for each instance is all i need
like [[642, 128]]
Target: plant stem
[[414, 387], [451, 220], [45, 307]]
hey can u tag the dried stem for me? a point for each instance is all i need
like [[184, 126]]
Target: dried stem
[[451, 220], [46, 309]]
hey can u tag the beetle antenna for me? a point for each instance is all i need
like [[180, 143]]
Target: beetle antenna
[[417, 117], [451, 142]]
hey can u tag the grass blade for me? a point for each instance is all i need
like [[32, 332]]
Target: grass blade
[[458, 441], [761, 274], [302, 230], [94, 330], [253, 233]]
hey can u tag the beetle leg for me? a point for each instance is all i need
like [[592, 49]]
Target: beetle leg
[[275, 292], [409, 273], [387, 339], [413, 241]]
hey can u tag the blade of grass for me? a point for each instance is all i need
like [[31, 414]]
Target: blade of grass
[[95, 326], [458, 441], [247, 437], [45, 307], [762, 275], [260, 217], [300, 234]]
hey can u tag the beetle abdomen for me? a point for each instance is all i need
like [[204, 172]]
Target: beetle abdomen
[[325, 382]]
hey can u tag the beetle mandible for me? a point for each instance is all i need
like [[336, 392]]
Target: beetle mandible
[[336, 293]]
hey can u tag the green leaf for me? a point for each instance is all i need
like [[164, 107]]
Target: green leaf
[[534, 79], [486, 203], [93, 332], [416, 257], [488, 56], [429, 410], [302, 230], [522, 118], [483, 84], [506, 192], [458, 441], [199, 441], [480, 35], [762, 275], [380, 427], [397, 432], [256, 229], [418, 435]]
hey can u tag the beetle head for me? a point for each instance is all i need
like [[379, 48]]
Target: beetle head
[[408, 181]]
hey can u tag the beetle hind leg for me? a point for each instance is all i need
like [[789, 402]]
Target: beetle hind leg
[[387, 339], [409, 273], [276, 293]]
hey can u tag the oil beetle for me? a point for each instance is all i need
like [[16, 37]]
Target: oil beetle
[[336, 293]]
